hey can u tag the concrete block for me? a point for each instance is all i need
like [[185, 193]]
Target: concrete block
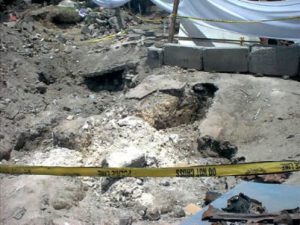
[[275, 61], [155, 57], [222, 59], [183, 56]]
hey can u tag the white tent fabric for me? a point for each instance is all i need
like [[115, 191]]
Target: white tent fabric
[[110, 3], [244, 10]]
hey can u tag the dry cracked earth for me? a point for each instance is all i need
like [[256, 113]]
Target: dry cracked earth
[[68, 102]]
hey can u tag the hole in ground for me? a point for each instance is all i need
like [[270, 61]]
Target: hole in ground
[[166, 111], [110, 81]]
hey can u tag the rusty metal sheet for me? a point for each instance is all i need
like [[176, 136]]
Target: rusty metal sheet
[[275, 197]]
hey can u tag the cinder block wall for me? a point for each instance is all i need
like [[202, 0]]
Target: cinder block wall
[[269, 61]]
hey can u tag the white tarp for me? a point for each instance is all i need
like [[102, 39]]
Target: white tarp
[[244, 10], [110, 3]]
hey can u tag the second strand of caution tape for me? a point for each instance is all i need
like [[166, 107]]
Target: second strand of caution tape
[[194, 171]]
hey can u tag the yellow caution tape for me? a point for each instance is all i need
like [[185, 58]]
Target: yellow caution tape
[[194, 171], [144, 19], [238, 21], [104, 38]]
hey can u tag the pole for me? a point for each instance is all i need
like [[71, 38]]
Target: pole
[[119, 18], [173, 21]]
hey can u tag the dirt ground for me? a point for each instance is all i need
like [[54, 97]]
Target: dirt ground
[[68, 101]]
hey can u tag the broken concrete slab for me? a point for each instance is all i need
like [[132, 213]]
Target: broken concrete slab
[[155, 57], [275, 61], [154, 83], [183, 56], [226, 59]]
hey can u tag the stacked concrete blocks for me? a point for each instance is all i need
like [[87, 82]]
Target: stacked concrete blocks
[[155, 57], [234, 60], [269, 61], [275, 60], [183, 56]]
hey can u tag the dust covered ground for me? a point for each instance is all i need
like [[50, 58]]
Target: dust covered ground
[[67, 101]]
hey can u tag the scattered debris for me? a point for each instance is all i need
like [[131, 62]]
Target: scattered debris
[[243, 204], [191, 209], [19, 213], [291, 216], [211, 196], [76, 90], [216, 148], [269, 178]]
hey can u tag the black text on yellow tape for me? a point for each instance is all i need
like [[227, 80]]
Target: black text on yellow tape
[[194, 171]]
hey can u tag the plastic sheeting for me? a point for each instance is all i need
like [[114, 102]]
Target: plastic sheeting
[[244, 10], [110, 3], [275, 197]]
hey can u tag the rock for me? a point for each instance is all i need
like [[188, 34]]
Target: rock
[[133, 37], [28, 26], [65, 198], [191, 209], [24, 138], [101, 22], [178, 212], [58, 157], [146, 200], [11, 24], [70, 117], [5, 149], [166, 208], [69, 134], [85, 30], [19, 213], [65, 221], [41, 89], [165, 183], [128, 157], [106, 183], [66, 15], [268, 178], [141, 210], [149, 33], [152, 214], [125, 220], [68, 3], [61, 204], [211, 196], [154, 83], [91, 27], [214, 148]]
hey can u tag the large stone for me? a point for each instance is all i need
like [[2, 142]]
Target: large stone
[[275, 61], [68, 4], [152, 214], [226, 59], [65, 15], [72, 134], [128, 157], [183, 56], [155, 57], [156, 83]]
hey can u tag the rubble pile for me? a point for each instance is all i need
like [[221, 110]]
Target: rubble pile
[[68, 102], [105, 22]]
